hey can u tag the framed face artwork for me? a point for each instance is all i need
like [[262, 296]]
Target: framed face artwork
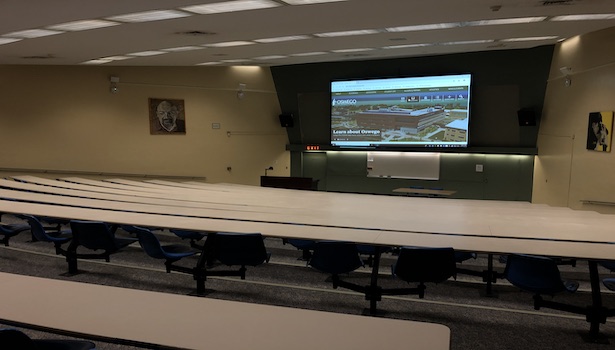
[[166, 116], [599, 131]]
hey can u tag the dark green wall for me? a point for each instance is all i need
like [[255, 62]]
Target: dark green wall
[[503, 82]]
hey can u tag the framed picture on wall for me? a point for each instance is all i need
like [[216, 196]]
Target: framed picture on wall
[[599, 131], [166, 116]]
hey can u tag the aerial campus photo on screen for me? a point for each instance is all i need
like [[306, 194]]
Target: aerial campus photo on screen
[[418, 112]]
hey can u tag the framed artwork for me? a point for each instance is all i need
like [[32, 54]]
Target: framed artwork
[[599, 131], [166, 116]]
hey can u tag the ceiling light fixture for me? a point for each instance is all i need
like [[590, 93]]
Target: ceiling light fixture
[[147, 53], [282, 38], [83, 25], [149, 16], [230, 6], [586, 17], [531, 38], [230, 44], [32, 33], [347, 33], [309, 2], [423, 27], [8, 40]]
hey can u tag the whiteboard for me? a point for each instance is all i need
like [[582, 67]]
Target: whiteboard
[[404, 165]]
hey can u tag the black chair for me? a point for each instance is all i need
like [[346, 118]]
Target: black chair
[[48, 234], [170, 253], [336, 258], [230, 249], [422, 265], [93, 235], [11, 230], [193, 236], [306, 246], [14, 339], [540, 276]]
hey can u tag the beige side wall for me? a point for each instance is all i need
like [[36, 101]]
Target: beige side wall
[[566, 173], [66, 119]]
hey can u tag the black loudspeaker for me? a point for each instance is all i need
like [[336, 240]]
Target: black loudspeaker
[[286, 120], [527, 117]]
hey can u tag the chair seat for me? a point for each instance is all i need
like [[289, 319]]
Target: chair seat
[[609, 283], [177, 251]]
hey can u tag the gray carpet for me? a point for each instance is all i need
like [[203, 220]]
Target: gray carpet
[[507, 321]]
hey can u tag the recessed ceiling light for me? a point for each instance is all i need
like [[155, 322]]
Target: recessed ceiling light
[[590, 17], [147, 53], [271, 57], [282, 38], [352, 50], [467, 42], [308, 2], [97, 61], [405, 46], [83, 25], [501, 21], [149, 16], [230, 6], [116, 58], [183, 48], [239, 60], [208, 63], [305, 54], [8, 40], [532, 38], [423, 27], [32, 33], [347, 33], [230, 44]]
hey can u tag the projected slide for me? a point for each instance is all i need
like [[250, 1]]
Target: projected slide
[[415, 112]]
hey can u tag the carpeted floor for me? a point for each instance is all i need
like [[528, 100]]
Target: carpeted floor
[[506, 321]]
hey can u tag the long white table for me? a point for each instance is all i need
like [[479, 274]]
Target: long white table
[[470, 225], [146, 318]]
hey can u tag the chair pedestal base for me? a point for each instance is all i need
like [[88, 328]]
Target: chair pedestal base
[[594, 338]]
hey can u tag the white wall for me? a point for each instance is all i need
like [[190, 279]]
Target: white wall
[[566, 173], [65, 119]]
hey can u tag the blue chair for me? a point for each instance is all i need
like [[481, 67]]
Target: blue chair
[[422, 265], [93, 235], [14, 339], [48, 234], [540, 276], [11, 230], [170, 253]]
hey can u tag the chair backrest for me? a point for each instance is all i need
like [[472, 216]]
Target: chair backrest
[[37, 229], [425, 264], [93, 235], [534, 274], [149, 242], [239, 248], [11, 338], [335, 257], [188, 234]]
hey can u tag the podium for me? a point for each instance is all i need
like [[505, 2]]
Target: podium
[[290, 182]]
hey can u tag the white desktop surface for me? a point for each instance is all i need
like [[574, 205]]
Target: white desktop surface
[[201, 323]]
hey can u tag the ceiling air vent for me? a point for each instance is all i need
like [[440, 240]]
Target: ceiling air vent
[[38, 57], [196, 33], [556, 2]]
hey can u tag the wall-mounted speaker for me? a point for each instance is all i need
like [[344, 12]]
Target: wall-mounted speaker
[[286, 120], [527, 117]]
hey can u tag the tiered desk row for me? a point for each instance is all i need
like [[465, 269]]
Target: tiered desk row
[[467, 225]]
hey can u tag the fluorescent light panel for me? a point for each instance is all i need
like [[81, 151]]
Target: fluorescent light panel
[[306, 54], [352, 50], [467, 42], [32, 33], [282, 38], [504, 21], [230, 6], [8, 40], [532, 38], [347, 33], [230, 44], [308, 2], [587, 17], [406, 46], [147, 53], [97, 61], [83, 25], [270, 57], [423, 27], [183, 48], [149, 16]]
